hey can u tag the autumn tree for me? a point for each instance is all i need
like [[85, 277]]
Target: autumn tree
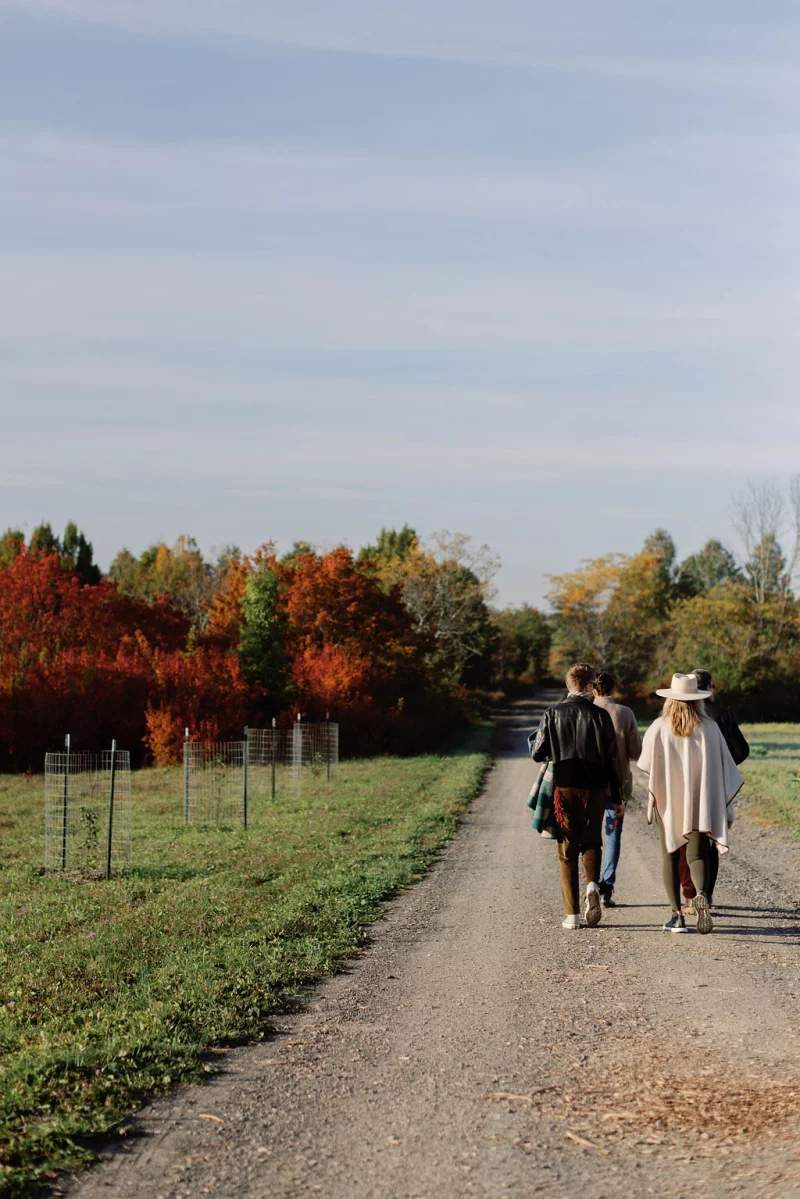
[[178, 573], [612, 612], [225, 612], [352, 650]]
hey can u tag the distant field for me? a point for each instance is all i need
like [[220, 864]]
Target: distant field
[[111, 990], [772, 774]]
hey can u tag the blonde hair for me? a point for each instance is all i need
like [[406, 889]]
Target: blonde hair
[[684, 715]]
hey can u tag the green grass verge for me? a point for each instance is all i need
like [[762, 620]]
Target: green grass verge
[[110, 991], [772, 775]]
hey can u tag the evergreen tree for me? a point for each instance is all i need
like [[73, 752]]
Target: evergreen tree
[[77, 554], [391, 544], [710, 566]]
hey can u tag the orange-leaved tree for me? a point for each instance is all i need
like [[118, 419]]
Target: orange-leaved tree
[[352, 649]]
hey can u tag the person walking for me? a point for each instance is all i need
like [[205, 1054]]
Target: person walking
[[578, 738], [692, 784], [629, 746], [737, 744]]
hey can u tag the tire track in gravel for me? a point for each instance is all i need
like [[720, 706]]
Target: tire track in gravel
[[476, 1048]]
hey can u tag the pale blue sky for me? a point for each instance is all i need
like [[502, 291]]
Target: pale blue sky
[[524, 270]]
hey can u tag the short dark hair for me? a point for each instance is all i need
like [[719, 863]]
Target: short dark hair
[[605, 683], [705, 680], [579, 676]]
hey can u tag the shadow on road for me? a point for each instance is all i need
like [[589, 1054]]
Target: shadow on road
[[515, 719]]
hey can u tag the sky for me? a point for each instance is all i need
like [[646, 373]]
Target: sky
[[300, 270]]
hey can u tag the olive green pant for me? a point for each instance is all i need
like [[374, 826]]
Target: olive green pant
[[581, 822], [697, 859]]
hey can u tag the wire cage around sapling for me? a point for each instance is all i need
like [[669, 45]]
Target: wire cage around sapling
[[88, 812], [215, 783]]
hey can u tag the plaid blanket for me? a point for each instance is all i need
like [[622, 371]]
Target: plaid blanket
[[542, 801]]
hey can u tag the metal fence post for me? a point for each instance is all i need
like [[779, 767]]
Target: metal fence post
[[111, 806], [66, 804], [186, 778], [245, 763], [297, 751], [274, 752]]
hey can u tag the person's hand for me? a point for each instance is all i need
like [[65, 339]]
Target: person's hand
[[619, 812]]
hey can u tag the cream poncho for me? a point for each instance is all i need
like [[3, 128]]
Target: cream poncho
[[692, 782]]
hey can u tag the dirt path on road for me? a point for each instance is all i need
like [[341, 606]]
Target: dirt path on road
[[476, 1048]]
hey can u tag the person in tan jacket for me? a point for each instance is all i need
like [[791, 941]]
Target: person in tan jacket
[[629, 746]]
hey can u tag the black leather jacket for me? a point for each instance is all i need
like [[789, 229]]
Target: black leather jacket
[[579, 739], [734, 737]]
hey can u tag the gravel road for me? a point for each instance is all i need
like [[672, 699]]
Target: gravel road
[[476, 1048]]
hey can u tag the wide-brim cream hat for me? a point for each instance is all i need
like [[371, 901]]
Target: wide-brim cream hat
[[683, 686]]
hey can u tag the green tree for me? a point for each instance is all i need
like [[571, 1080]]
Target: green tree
[[521, 647], [710, 566], [747, 646], [391, 545], [77, 554], [298, 549], [12, 543], [661, 545], [43, 541], [261, 646]]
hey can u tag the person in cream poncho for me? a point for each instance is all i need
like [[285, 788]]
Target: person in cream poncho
[[693, 781]]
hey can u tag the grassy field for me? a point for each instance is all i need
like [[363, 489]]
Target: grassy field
[[772, 775], [113, 990]]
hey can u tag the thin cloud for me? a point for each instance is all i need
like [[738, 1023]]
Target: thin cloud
[[654, 185], [706, 48]]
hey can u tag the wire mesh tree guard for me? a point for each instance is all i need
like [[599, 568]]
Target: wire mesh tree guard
[[221, 780], [88, 811], [214, 785]]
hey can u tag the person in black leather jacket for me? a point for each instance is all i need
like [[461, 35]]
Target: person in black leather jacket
[[579, 738]]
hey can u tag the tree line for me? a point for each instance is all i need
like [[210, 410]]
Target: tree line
[[644, 615], [399, 642]]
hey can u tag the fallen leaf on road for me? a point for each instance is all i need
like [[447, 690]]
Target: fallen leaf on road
[[505, 1095], [573, 1136]]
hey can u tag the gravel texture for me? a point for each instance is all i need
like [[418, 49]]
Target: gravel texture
[[476, 1048]]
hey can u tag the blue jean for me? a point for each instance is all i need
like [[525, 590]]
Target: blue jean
[[608, 874]]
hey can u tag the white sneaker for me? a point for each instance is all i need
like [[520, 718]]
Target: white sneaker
[[571, 922], [594, 910]]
